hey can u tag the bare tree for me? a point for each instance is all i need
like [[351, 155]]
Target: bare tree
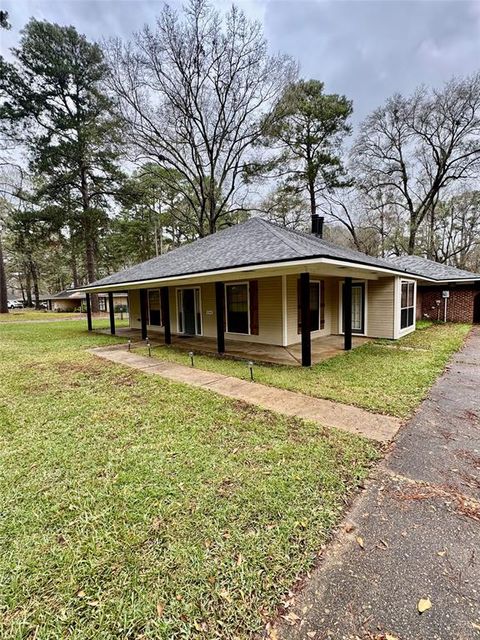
[[417, 147], [194, 92], [456, 235]]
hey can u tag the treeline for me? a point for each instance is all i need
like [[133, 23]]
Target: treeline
[[116, 153]]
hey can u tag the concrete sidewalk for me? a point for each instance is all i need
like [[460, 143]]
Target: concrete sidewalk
[[327, 413], [414, 532]]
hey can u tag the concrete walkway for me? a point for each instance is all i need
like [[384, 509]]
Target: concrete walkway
[[413, 533], [325, 412]]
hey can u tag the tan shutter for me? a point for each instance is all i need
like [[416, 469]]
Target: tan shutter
[[253, 287], [322, 304]]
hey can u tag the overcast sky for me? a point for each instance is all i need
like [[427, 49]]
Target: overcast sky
[[362, 48]]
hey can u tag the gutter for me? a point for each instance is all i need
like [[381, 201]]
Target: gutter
[[143, 283]]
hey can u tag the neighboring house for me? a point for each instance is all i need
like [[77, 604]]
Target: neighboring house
[[69, 300], [443, 292], [261, 283]]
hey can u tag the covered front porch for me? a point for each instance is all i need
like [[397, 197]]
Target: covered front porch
[[290, 318], [322, 348]]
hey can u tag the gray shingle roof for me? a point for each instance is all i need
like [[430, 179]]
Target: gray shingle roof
[[433, 270], [254, 242], [73, 294]]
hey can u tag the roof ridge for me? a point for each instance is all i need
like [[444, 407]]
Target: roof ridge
[[277, 230]]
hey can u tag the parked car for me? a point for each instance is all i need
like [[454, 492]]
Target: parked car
[[15, 304]]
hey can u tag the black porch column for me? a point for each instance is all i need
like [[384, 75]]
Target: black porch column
[[143, 312], [89, 312], [305, 319], [111, 309], [220, 311], [347, 314], [165, 305]]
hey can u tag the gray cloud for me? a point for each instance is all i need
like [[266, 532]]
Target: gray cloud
[[369, 50], [364, 49]]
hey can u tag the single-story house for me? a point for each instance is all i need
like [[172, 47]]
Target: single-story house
[[443, 292], [72, 300], [260, 283]]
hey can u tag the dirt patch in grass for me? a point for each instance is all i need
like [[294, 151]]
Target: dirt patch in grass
[[72, 368]]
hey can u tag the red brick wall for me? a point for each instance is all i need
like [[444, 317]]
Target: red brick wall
[[459, 304]]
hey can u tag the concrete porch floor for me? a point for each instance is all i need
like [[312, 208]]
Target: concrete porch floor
[[322, 348]]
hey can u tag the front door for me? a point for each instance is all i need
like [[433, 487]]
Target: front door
[[189, 311], [358, 307]]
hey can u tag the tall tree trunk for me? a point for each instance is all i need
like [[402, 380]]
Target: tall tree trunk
[[22, 289], [431, 253], [73, 265], [28, 287], [412, 236], [3, 283], [91, 265], [74, 268], [382, 232], [89, 230], [73, 259], [36, 291]]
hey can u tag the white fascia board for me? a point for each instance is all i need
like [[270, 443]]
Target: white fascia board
[[288, 265], [452, 280]]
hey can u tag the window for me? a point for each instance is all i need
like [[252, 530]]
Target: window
[[407, 313], [237, 308], [154, 314], [102, 304], [316, 322]]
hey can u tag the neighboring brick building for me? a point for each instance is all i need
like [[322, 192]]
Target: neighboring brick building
[[460, 305], [446, 293]]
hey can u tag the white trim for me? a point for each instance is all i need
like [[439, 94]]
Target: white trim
[[145, 284], [365, 308], [396, 308], [406, 330], [231, 284], [284, 312], [196, 311]]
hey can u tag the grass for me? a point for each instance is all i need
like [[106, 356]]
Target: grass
[[29, 315], [133, 508], [381, 376]]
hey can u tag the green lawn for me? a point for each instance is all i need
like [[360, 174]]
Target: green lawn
[[136, 508], [31, 315], [28, 315], [381, 376]]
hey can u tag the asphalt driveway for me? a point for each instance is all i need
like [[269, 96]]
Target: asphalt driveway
[[413, 534]]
